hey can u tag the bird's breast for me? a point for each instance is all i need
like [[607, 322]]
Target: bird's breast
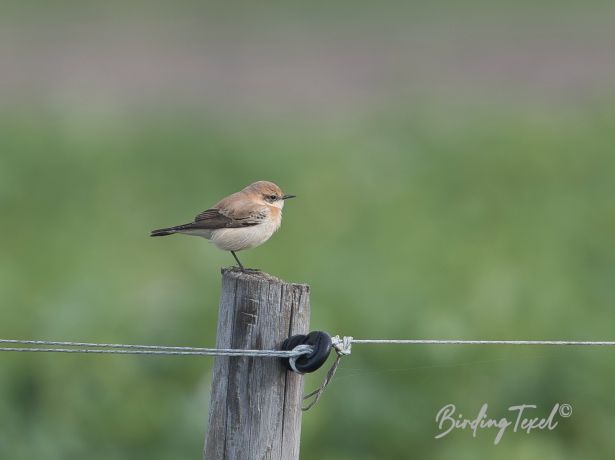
[[275, 214], [237, 239]]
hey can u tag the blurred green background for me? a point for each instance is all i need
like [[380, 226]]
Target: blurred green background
[[455, 169]]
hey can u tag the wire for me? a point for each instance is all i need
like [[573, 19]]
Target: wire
[[116, 348], [343, 347], [341, 344], [481, 342]]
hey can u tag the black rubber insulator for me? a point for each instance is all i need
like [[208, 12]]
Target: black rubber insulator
[[319, 341], [292, 342]]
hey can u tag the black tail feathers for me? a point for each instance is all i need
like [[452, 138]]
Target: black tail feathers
[[171, 230], [163, 231]]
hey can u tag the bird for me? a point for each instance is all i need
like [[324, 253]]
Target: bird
[[242, 220]]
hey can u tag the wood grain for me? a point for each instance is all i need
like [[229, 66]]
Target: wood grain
[[255, 409]]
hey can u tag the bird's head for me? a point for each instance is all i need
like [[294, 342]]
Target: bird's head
[[267, 193]]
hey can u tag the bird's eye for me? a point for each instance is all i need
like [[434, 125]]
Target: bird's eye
[[272, 197]]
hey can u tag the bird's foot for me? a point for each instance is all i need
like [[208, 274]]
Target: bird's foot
[[253, 270], [246, 269]]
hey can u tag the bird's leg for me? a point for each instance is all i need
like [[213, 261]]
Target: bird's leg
[[237, 259], [241, 267]]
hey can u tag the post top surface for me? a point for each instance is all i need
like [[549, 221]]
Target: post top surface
[[256, 275]]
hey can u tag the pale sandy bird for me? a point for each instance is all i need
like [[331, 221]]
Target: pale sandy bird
[[243, 220]]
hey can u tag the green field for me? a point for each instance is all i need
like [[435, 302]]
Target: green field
[[495, 228]]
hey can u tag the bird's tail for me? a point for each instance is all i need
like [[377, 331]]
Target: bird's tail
[[168, 230], [171, 230], [163, 231]]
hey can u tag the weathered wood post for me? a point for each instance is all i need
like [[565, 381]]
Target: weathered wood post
[[255, 408]]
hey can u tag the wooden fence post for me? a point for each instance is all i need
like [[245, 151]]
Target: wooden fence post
[[255, 408]]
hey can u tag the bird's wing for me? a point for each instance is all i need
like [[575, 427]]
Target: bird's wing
[[229, 218]]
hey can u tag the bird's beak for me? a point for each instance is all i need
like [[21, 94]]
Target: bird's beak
[[288, 197]]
